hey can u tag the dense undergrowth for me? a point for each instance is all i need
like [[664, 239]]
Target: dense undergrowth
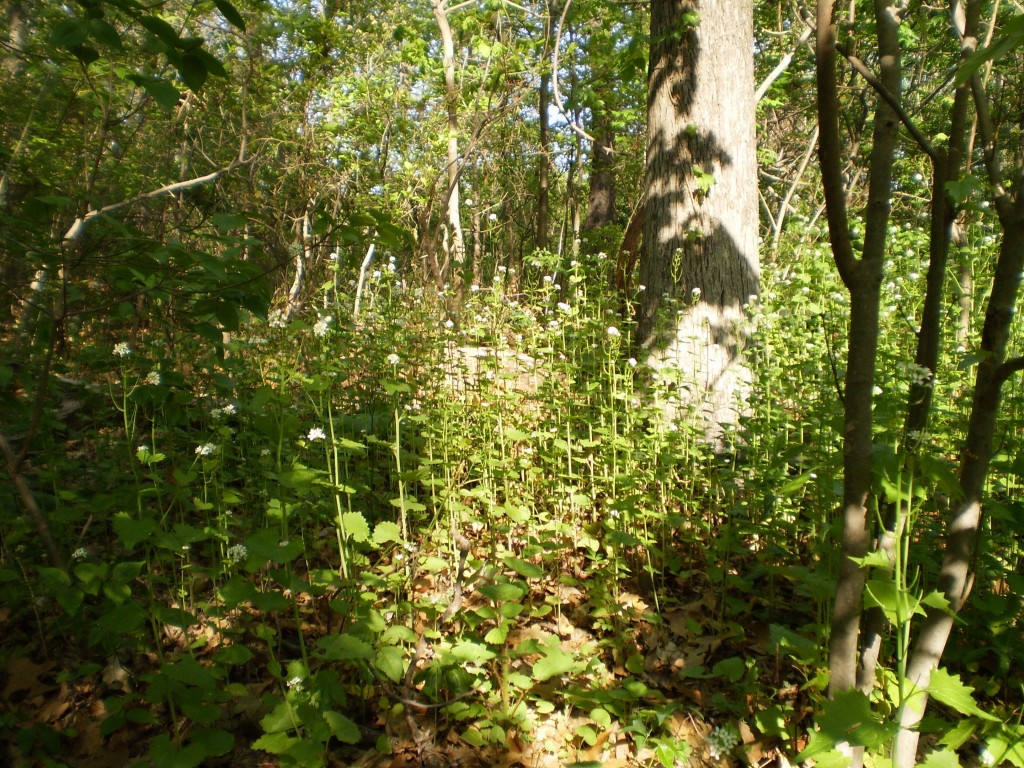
[[457, 528]]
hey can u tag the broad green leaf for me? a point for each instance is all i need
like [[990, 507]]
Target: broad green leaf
[[344, 647], [849, 717], [193, 71], [233, 655], [555, 662], [70, 33], [343, 729], [161, 30], [133, 531], [391, 662], [941, 758], [1006, 745], [503, 591], [104, 32], [472, 653], [162, 92], [523, 568], [386, 531], [230, 13], [897, 604]]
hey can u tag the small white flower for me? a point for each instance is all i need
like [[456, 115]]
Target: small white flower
[[333, 256], [394, 359], [613, 331], [295, 683], [142, 451], [206, 449], [229, 409], [564, 307], [79, 554], [492, 217], [547, 278], [122, 349], [474, 288], [449, 324], [695, 293], [641, 287], [316, 434], [153, 378], [631, 362], [264, 451]]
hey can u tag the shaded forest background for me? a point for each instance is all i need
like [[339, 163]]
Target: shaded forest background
[[330, 443]]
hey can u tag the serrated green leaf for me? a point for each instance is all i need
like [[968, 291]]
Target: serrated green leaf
[[355, 527], [554, 663], [954, 693]]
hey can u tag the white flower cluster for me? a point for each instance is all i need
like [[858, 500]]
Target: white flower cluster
[[722, 739], [122, 349], [316, 434], [79, 554], [227, 410], [237, 553], [206, 449], [276, 319], [322, 326], [153, 378], [394, 359], [919, 375]]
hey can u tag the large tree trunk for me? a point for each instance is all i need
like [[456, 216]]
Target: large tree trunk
[[700, 264], [601, 202]]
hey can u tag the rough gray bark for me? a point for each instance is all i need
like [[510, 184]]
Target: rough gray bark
[[699, 264], [601, 201]]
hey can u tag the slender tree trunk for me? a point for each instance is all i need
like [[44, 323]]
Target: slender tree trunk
[[700, 263], [862, 277], [456, 242], [946, 166], [540, 239]]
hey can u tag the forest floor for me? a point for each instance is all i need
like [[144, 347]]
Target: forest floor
[[683, 655]]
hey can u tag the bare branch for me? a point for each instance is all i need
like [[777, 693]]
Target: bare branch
[[576, 127], [894, 104], [77, 230]]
